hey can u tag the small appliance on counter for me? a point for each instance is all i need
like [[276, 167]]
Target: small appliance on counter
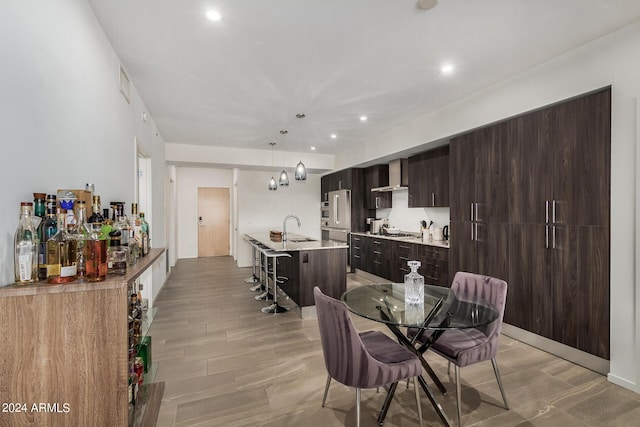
[[375, 225]]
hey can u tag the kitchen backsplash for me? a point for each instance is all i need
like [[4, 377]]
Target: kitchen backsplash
[[408, 219]]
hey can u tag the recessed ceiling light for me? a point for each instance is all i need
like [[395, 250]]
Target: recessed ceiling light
[[334, 136], [313, 148], [447, 69], [214, 16], [363, 118]]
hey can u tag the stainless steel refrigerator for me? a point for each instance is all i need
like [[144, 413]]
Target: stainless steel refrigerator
[[336, 223]]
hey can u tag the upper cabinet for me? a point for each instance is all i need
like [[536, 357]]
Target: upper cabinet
[[339, 180], [479, 178], [429, 179], [376, 176]]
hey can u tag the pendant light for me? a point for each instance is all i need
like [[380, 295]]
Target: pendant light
[[272, 182], [284, 178], [301, 170]]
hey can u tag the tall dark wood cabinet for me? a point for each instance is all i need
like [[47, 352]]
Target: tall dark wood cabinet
[[429, 179], [478, 197], [530, 203]]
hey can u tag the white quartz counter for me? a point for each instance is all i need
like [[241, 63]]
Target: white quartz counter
[[295, 242], [409, 239]]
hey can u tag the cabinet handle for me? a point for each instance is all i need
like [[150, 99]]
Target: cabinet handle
[[433, 199], [476, 218], [476, 226], [553, 237], [403, 247], [546, 213], [553, 212], [472, 231], [404, 259], [546, 237], [471, 215]]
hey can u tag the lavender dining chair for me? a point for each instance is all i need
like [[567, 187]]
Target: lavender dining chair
[[464, 347], [362, 360]]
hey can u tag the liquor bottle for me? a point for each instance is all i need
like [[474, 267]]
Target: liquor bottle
[[107, 226], [61, 254], [146, 238], [135, 236], [47, 229], [95, 246], [79, 232], [39, 208], [26, 247], [96, 216]]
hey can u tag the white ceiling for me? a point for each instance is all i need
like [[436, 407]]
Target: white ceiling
[[239, 81]]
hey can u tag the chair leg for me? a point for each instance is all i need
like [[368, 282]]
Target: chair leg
[[415, 387], [358, 407], [326, 390], [497, 372], [458, 394], [449, 367]]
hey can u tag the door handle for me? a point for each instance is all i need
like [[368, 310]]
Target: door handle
[[433, 199], [377, 200], [553, 211]]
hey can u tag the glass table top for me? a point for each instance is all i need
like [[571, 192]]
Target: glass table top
[[385, 303]]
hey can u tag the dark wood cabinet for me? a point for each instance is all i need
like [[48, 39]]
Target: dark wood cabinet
[[357, 249], [402, 252], [429, 179], [434, 266], [339, 180], [376, 176], [559, 253], [545, 229], [380, 253]]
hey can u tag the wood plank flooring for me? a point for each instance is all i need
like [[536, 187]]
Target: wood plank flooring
[[225, 363]]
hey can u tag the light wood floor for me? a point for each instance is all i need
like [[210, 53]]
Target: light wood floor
[[227, 364]]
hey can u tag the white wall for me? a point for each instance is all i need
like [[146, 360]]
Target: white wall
[[401, 216], [260, 210], [612, 60], [188, 181], [63, 119]]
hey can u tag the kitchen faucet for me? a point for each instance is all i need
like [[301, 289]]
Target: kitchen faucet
[[284, 225]]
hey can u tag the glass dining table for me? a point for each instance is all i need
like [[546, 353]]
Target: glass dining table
[[418, 326]]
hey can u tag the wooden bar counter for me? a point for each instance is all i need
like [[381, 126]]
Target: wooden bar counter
[[64, 351]]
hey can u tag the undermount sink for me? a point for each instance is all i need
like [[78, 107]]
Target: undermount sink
[[300, 239]]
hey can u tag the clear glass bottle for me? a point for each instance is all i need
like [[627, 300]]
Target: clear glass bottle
[[79, 232], [26, 247], [47, 229], [413, 285], [135, 235], [61, 254], [146, 239]]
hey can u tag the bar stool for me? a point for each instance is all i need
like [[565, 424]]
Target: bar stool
[[264, 274], [254, 277], [258, 266], [275, 280]]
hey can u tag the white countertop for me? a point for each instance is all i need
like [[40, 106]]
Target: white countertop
[[414, 238], [295, 242]]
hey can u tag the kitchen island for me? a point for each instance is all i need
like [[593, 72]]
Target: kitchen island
[[321, 263]]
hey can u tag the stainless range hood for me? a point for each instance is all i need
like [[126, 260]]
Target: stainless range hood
[[398, 176]]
